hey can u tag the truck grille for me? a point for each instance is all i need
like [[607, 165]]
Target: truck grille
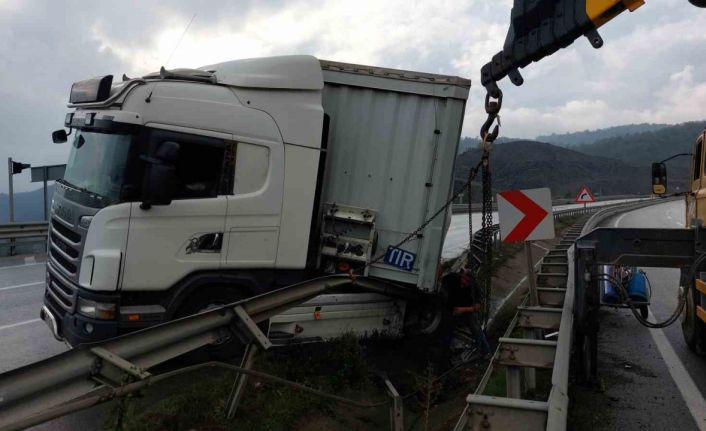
[[60, 292], [64, 247]]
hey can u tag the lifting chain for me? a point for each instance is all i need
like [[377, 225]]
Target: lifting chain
[[492, 108]]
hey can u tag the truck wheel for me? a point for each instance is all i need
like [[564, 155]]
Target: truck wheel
[[204, 299], [692, 327]]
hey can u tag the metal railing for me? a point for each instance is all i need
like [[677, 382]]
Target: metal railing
[[522, 356], [92, 374], [460, 208], [475, 251], [23, 237]]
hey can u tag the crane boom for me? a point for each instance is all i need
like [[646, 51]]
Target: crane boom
[[539, 28]]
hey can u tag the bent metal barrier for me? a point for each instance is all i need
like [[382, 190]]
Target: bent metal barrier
[[95, 373], [521, 357]]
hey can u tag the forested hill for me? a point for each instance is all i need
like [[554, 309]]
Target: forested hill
[[531, 164], [647, 147], [592, 136]]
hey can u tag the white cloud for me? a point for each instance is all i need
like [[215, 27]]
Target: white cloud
[[651, 68]]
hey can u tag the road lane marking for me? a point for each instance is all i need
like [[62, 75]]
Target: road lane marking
[[619, 219], [22, 266], [20, 285], [14, 325], [688, 389]]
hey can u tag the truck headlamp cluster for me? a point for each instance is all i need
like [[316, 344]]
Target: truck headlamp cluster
[[96, 310], [91, 90], [85, 221]]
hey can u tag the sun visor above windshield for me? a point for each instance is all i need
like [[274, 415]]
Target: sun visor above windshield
[[109, 121]]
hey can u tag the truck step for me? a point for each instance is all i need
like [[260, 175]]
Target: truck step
[[551, 280], [551, 296]]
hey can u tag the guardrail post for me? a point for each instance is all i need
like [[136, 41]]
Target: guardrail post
[[530, 373], [396, 408], [513, 382], [241, 379]]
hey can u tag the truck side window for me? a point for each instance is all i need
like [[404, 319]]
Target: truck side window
[[697, 159], [199, 170]]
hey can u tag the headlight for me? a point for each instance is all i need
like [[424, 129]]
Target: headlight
[[85, 221], [97, 310]]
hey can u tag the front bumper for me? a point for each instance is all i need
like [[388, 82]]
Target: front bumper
[[75, 328], [60, 313]]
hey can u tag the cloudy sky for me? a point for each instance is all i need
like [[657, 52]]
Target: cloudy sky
[[652, 68]]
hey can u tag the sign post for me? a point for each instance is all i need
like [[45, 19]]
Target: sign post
[[42, 174], [525, 215], [12, 169]]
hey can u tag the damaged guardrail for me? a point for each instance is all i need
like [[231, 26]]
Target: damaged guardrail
[[95, 373]]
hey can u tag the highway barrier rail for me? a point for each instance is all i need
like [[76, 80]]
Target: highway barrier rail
[[23, 237], [458, 208], [528, 343], [92, 374], [476, 252]]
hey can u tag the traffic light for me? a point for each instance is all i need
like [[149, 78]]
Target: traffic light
[[539, 28], [18, 167]]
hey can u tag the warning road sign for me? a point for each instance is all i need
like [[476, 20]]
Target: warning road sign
[[525, 215], [585, 196]]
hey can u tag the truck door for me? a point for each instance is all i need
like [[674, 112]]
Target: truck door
[[254, 208], [168, 242], [696, 205]]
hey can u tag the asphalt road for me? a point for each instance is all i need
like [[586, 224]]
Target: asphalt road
[[648, 377], [24, 338]]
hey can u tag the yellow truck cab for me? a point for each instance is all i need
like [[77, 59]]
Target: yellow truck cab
[[693, 318], [695, 200]]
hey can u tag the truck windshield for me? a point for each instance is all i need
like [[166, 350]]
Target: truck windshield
[[97, 163]]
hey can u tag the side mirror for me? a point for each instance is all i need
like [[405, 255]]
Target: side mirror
[[160, 182], [659, 178], [59, 136]]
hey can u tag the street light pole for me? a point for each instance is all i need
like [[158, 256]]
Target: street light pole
[[11, 200]]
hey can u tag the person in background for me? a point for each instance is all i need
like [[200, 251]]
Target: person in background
[[464, 298]]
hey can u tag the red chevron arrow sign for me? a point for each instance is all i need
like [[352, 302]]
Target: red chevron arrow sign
[[525, 215]]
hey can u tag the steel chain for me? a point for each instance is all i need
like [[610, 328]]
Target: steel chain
[[492, 108]]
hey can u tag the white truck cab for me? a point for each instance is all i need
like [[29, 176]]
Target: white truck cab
[[194, 187]]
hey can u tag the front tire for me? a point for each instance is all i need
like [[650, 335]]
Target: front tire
[[693, 329]]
